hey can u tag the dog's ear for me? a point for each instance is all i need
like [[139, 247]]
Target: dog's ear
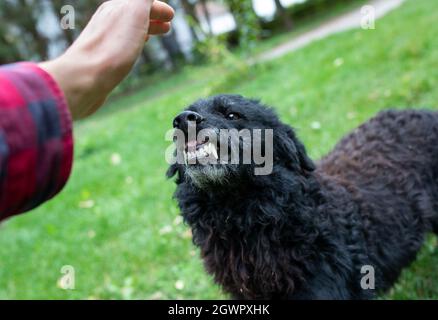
[[292, 151], [173, 170]]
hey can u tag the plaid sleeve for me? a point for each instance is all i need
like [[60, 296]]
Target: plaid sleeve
[[36, 141]]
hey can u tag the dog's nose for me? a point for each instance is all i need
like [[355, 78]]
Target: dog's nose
[[183, 118]]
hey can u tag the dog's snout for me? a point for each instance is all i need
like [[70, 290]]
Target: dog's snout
[[183, 118]]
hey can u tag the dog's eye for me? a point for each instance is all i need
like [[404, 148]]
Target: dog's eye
[[233, 116]]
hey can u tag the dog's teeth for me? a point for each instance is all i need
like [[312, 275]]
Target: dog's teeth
[[208, 149], [205, 151], [213, 151], [202, 152]]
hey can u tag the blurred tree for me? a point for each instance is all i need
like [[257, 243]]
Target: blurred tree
[[146, 55], [21, 17], [8, 48], [170, 43], [206, 12], [148, 63], [192, 18], [83, 13], [248, 23], [172, 47], [283, 14]]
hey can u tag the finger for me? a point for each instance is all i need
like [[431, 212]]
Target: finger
[[162, 12], [157, 27]]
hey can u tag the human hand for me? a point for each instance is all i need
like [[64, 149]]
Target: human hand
[[106, 51]]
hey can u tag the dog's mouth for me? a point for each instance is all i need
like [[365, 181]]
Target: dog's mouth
[[197, 150]]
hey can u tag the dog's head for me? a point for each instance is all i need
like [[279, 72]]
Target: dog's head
[[227, 138]]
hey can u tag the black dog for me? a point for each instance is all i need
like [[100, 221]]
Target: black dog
[[306, 231]]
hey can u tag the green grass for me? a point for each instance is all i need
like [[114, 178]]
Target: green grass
[[117, 224]]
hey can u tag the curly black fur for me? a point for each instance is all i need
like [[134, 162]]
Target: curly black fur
[[305, 231]]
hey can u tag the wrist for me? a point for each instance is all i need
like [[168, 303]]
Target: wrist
[[77, 81]]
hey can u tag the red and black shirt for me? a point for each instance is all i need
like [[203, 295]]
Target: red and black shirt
[[36, 140]]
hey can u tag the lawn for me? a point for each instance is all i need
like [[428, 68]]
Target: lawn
[[116, 222]]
